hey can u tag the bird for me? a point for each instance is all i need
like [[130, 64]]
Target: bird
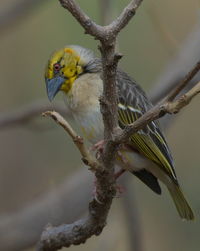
[[77, 72]]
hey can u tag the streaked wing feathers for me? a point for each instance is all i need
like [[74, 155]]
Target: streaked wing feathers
[[133, 103]]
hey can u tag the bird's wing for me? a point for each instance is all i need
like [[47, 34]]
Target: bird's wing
[[149, 141]]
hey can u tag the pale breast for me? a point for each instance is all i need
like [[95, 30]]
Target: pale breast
[[83, 101]]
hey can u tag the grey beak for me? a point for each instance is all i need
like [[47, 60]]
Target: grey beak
[[53, 86]]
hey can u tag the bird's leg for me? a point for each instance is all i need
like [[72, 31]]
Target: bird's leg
[[98, 147], [119, 173], [120, 189]]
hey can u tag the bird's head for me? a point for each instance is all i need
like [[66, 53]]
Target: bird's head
[[64, 67]]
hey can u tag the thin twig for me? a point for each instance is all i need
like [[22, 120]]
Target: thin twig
[[90, 27], [78, 141], [102, 33], [185, 99], [129, 11]]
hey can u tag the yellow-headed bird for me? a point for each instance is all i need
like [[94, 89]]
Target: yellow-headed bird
[[76, 72]]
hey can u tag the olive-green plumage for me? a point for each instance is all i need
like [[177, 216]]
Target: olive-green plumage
[[77, 72]]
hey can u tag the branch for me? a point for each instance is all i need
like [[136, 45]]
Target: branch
[[129, 11], [185, 99], [102, 33], [78, 232], [78, 141], [90, 27], [183, 83]]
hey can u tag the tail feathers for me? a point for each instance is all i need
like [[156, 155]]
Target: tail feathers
[[181, 204]]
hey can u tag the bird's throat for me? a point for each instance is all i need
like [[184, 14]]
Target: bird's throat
[[67, 85]]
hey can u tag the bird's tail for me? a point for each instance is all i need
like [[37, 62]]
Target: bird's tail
[[181, 204]]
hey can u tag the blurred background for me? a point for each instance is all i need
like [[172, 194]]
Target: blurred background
[[38, 162]]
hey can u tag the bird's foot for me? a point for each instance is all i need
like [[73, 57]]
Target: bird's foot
[[119, 173], [119, 190], [98, 147]]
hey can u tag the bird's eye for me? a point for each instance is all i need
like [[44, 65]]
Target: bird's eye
[[56, 67]]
